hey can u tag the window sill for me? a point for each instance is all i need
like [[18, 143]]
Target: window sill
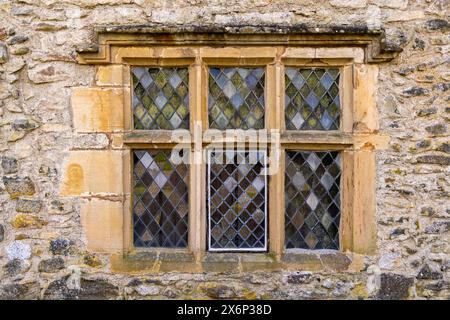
[[183, 261]]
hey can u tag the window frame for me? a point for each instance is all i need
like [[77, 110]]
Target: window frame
[[274, 60]]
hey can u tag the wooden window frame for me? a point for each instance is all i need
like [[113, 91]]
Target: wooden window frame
[[357, 139]]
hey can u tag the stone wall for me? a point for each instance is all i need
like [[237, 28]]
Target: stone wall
[[43, 249]]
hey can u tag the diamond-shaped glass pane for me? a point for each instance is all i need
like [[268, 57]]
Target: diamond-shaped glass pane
[[160, 98], [160, 200], [236, 98], [237, 193], [312, 199], [312, 99]]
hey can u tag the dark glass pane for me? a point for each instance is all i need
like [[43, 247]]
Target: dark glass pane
[[160, 98], [312, 99], [312, 199], [237, 200], [236, 98], [160, 200]]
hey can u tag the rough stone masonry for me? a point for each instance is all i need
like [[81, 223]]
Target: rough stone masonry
[[43, 252]]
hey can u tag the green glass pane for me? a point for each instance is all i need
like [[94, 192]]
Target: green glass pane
[[312, 98], [312, 200], [235, 94], [160, 200], [160, 92]]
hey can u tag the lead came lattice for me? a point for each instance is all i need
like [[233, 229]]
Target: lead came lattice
[[237, 193], [312, 99], [236, 98], [160, 98], [160, 200], [312, 199]]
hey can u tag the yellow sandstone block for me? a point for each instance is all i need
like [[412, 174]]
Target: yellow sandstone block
[[300, 53], [93, 172], [97, 109], [365, 109], [102, 222], [111, 75], [346, 53], [235, 52]]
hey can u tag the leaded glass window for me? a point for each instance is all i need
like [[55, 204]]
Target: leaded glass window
[[312, 99], [160, 200], [237, 200], [224, 200], [312, 199], [236, 98], [160, 98]]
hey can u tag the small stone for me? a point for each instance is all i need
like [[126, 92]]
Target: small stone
[[419, 44], [28, 206], [45, 73], [429, 273], [394, 286], [2, 233], [93, 289], [327, 283], [146, 290], [16, 135], [428, 211], [51, 265], [60, 246], [348, 3], [441, 86], [10, 165], [20, 51], [438, 24], [21, 221], [445, 266], [404, 71], [427, 78], [169, 293], [221, 292], [17, 186], [410, 250], [13, 291], [445, 147], [426, 112], [300, 277], [26, 124], [438, 128], [397, 232], [388, 260], [91, 141], [16, 266], [21, 11], [134, 282], [17, 39], [423, 144], [61, 207], [18, 250], [394, 4], [430, 159], [92, 260], [14, 107], [49, 27], [438, 227], [3, 53], [415, 91]]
